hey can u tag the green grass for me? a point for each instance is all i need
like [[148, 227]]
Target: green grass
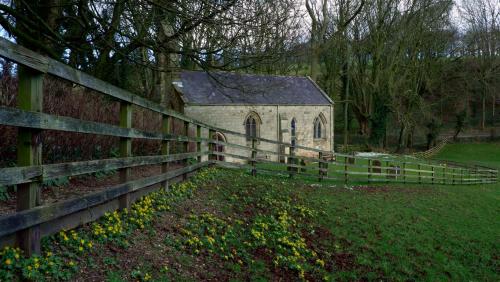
[[235, 227], [487, 154], [400, 233]]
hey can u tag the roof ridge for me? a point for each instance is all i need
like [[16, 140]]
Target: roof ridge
[[249, 74]]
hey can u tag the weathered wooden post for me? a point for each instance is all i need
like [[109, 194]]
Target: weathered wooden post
[[291, 161], [166, 129], [198, 142], [254, 156], [346, 175], [432, 169], [125, 150], [444, 174], [211, 145], [453, 172], [325, 168], [369, 170], [320, 166], [404, 172], [185, 146], [419, 174], [387, 171], [466, 175], [29, 152]]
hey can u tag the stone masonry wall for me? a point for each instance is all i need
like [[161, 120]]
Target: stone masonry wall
[[232, 117]]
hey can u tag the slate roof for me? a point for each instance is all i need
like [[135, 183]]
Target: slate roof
[[223, 88]]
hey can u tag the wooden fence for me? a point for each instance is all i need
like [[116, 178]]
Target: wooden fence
[[32, 221], [434, 150]]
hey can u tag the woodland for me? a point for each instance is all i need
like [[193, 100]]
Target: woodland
[[404, 70]]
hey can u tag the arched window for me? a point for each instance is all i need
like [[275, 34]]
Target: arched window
[[219, 147], [319, 127], [293, 132], [252, 124]]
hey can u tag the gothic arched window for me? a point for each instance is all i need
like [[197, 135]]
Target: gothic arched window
[[252, 124], [319, 127]]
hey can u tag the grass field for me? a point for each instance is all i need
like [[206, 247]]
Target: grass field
[[228, 225], [487, 154]]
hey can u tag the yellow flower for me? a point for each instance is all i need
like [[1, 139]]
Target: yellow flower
[[210, 240], [37, 265], [49, 254], [90, 245], [80, 249], [147, 277], [8, 262], [29, 267], [71, 263], [320, 262], [16, 256]]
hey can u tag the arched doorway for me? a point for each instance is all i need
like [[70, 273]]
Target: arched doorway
[[219, 147]]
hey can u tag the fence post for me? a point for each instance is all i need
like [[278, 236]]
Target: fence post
[[453, 171], [444, 174], [125, 150], [165, 145], [211, 145], [419, 175], [29, 152], [254, 156], [404, 172], [185, 146], [346, 175], [320, 166], [325, 168], [369, 170], [432, 169], [387, 171], [198, 142], [478, 175], [291, 160]]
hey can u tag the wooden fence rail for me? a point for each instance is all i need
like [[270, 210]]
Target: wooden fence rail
[[32, 220]]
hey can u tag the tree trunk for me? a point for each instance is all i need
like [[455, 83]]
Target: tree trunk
[[401, 140], [346, 103], [314, 61], [483, 117], [493, 104], [409, 140]]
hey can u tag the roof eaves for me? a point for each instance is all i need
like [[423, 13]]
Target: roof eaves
[[320, 90], [178, 89], [254, 104]]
